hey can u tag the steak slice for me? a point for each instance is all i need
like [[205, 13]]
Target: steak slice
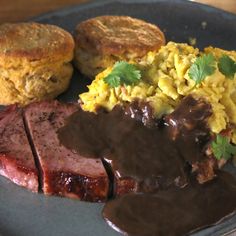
[[64, 172], [16, 158]]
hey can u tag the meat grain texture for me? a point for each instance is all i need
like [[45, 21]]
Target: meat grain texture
[[16, 158], [64, 172]]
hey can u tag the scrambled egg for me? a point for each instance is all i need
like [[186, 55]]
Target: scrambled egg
[[165, 82]]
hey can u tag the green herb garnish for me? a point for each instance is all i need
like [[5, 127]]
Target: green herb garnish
[[222, 148], [123, 73], [202, 67], [227, 66]]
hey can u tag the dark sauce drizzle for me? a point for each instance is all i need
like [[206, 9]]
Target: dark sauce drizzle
[[167, 159]]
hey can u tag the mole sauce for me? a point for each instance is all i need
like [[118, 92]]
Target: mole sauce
[[173, 212], [163, 157]]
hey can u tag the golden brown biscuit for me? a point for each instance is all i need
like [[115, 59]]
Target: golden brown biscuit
[[34, 62], [103, 40]]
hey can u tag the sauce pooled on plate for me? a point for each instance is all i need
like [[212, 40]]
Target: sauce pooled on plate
[[166, 159]]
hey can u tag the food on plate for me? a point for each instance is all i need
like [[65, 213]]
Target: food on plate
[[152, 133], [137, 153], [86, 155], [178, 70], [34, 62], [61, 171], [174, 212], [164, 163], [16, 158], [64, 172], [103, 40]]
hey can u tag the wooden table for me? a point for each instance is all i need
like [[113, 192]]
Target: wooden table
[[20, 10]]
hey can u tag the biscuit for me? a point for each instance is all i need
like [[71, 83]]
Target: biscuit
[[103, 40], [34, 62]]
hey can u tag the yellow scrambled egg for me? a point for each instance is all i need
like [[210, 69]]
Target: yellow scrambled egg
[[166, 81]]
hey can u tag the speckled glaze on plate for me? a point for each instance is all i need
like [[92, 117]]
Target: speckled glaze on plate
[[23, 213]]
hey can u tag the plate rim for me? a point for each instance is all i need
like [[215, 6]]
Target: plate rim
[[95, 3]]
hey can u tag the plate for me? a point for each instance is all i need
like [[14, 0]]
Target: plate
[[23, 213]]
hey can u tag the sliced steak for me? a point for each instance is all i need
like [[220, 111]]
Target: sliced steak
[[64, 172], [16, 158]]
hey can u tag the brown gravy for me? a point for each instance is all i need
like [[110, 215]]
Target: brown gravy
[[158, 154], [174, 212]]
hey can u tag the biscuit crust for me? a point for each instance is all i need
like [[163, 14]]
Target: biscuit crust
[[34, 62], [118, 35], [34, 41]]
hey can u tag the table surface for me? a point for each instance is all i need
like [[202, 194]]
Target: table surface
[[20, 10]]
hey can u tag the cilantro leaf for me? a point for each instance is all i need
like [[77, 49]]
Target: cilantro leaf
[[123, 73], [227, 66], [202, 67], [222, 148]]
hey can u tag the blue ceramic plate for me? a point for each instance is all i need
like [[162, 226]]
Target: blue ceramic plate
[[23, 213]]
